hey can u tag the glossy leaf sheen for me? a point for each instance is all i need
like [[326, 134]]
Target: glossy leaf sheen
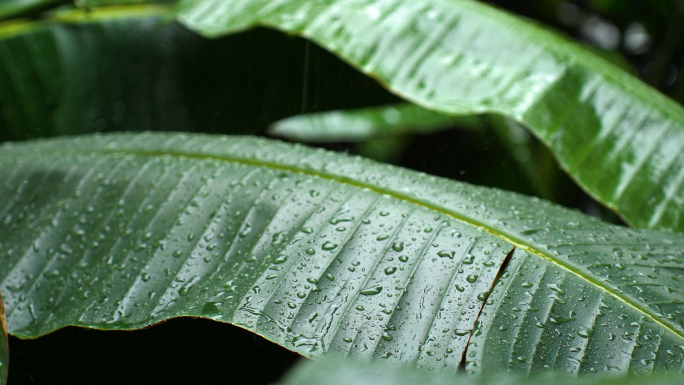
[[18, 8], [356, 373], [64, 72], [620, 139], [367, 123], [327, 255], [126, 68]]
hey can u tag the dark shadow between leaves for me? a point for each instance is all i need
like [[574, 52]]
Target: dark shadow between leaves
[[179, 351]]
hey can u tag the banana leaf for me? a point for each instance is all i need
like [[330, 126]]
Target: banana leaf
[[368, 123], [23, 8], [620, 139], [464, 57], [328, 255], [127, 68], [358, 373]]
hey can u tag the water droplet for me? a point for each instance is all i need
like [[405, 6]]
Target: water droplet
[[15, 288], [280, 259], [557, 319], [447, 254], [472, 278], [327, 246], [185, 289], [585, 332], [211, 309], [556, 288], [51, 274], [404, 258], [398, 246], [335, 221], [372, 291], [360, 308], [386, 336], [390, 270], [177, 253]]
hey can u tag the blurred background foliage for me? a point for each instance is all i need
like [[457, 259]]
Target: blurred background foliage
[[242, 84]]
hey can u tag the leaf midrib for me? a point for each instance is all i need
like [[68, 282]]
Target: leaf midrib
[[510, 238]]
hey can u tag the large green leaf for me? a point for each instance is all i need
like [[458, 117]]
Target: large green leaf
[[60, 76], [18, 8], [327, 254], [358, 373], [124, 68], [619, 138]]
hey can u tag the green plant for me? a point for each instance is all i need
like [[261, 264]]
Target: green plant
[[323, 253]]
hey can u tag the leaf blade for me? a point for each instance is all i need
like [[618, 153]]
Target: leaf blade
[[367, 123], [359, 373], [250, 202], [470, 58]]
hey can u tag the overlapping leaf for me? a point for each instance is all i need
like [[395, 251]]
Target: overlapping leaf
[[391, 121], [367, 123], [620, 139], [126, 68], [460, 56], [20, 8], [356, 373], [327, 255]]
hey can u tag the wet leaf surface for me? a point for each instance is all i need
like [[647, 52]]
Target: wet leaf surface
[[620, 139], [327, 255], [355, 373]]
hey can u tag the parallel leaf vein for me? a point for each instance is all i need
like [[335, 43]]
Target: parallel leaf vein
[[510, 238]]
